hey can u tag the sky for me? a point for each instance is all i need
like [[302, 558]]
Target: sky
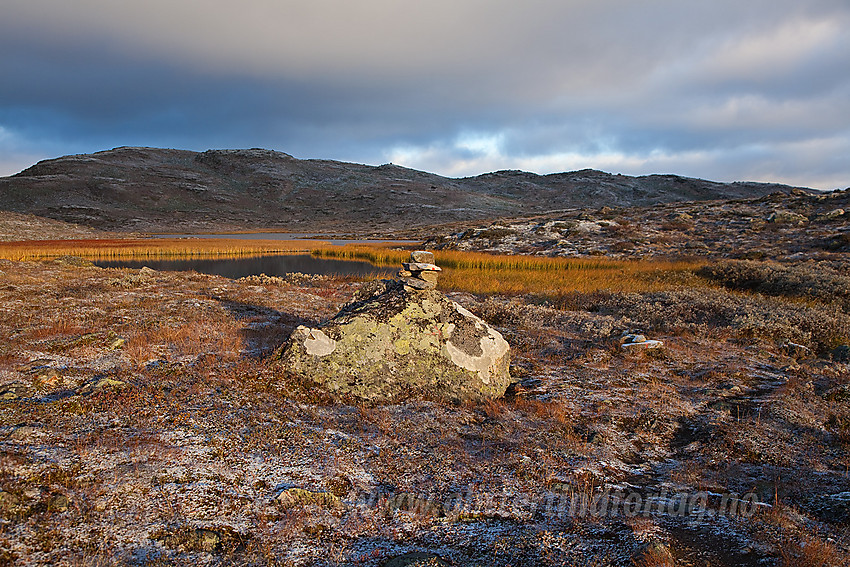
[[727, 90]]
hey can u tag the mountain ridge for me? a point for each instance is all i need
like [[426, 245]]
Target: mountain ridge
[[148, 189]]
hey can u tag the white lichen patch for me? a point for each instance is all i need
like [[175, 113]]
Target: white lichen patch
[[316, 342]]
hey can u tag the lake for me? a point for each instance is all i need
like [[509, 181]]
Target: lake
[[272, 265]]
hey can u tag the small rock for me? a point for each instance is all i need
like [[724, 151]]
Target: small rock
[[417, 283], [832, 215], [58, 503], [428, 276], [421, 267], [422, 256], [204, 540], [190, 539], [34, 365], [14, 391], [795, 350], [632, 338], [415, 559], [299, 496], [404, 273], [99, 384], [787, 217], [8, 500], [645, 345]]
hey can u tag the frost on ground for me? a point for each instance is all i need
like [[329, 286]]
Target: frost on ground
[[140, 425]]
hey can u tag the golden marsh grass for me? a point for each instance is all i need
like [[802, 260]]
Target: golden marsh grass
[[462, 271], [477, 272]]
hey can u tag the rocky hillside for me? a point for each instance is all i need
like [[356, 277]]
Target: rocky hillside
[[16, 226], [160, 189], [782, 226]]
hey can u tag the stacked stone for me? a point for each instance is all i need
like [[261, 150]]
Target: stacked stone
[[421, 272]]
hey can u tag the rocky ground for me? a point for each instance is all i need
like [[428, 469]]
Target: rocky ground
[[17, 227], [141, 424], [796, 225]]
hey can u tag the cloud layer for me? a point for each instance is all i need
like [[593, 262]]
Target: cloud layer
[[726, 90]]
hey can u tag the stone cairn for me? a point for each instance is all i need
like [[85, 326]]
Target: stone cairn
[[421, 272]]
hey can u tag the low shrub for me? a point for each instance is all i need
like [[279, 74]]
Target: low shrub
[[808, 280]]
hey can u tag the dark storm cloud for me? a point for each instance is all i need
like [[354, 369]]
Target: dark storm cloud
[[725, 90]]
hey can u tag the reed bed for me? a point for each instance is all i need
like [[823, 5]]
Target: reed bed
[[129, 249], [477, 272], [462, 271]]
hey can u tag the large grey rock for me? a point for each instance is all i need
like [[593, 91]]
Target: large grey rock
[[393, 343]]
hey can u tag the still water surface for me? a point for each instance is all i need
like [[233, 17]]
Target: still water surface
[[269, 265]]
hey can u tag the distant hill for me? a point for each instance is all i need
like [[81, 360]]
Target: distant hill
[[144, 189]]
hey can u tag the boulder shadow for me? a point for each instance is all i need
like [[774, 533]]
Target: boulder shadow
[[265, 329]]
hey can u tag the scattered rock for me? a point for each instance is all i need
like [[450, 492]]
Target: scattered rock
[[398, 340]]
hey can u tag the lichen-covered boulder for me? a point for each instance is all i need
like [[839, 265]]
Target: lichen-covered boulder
[[393, 343]]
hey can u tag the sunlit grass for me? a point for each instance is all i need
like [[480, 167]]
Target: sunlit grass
[[511, 275], [462, 271], [173, 248]]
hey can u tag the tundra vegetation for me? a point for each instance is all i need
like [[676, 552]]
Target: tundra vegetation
[[142, 424]]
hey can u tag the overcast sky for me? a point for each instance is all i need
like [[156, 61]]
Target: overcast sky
[[722, 89]]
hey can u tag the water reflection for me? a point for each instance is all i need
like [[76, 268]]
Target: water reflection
[[270, 265]]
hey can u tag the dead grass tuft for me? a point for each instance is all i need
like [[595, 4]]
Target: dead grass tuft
[[810, 551]]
